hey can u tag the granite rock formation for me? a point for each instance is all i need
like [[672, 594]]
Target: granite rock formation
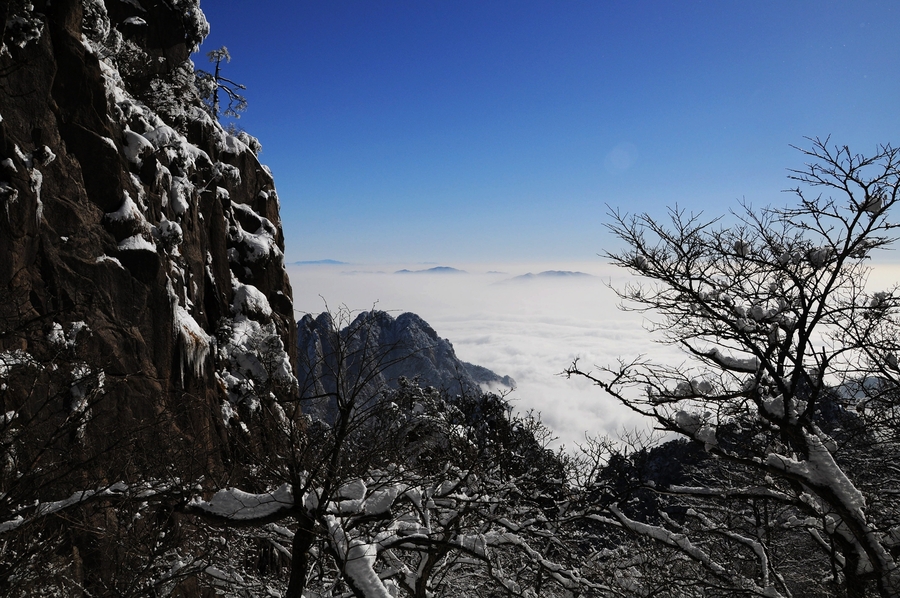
[[145, 312], [127, 208], [379, 349]]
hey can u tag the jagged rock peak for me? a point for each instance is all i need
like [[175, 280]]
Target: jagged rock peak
[[405, 346]]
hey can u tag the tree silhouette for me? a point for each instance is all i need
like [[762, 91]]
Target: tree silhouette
[[210, 84], [791, 380]]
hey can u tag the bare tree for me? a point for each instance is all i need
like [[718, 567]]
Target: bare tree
[[65, 497], [791, 378], [402, 491]]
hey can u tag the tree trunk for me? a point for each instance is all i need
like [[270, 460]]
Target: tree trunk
[[303, 541]]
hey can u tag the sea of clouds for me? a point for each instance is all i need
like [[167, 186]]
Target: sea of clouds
[[529, 329]]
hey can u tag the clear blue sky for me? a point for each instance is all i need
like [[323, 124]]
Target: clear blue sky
[[456, 131]]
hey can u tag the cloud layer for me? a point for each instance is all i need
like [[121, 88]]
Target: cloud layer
[[528, 329]]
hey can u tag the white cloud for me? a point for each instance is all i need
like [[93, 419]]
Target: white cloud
[[530, 330]]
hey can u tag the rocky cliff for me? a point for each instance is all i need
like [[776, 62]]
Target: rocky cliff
[[141, 243], [146, 318], [379, 349]]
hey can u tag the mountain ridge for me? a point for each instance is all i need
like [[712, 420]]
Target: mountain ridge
[[405, 347], [435, 270]]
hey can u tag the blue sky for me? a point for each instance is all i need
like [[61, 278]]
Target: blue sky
[[462, 131]]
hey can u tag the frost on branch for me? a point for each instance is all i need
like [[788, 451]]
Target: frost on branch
[[773, 311]]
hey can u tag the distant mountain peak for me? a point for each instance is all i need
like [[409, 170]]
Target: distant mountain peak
[[405, 346], [549, 274], [319, 263], [435, 270]]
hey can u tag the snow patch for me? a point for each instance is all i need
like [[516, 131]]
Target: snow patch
[[232, 503], [170, 232], [135, 147], [358, 559], [37, 180], [819, 256], [774, 407], [9, 194], [695, 387], [381, 501], [232, 145], [258, 245], [194, 340], [742, 248], [128, 212], [353, 490], [820, 470], [748, 365], [255, 354], [65, 339], [56, 335], [176, 147], [231, 174], [136, 243], [180, 192], [23, 29], [250, 301], [105, 258]]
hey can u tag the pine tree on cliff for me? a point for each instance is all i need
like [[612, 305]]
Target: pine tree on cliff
[[209, 85]]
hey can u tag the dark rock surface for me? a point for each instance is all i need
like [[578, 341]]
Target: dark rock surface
[[146, 319], [485, 377], [379, 349], [126, 207]]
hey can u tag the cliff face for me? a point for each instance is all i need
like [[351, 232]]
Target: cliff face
[[381, 349], [139, 240]]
